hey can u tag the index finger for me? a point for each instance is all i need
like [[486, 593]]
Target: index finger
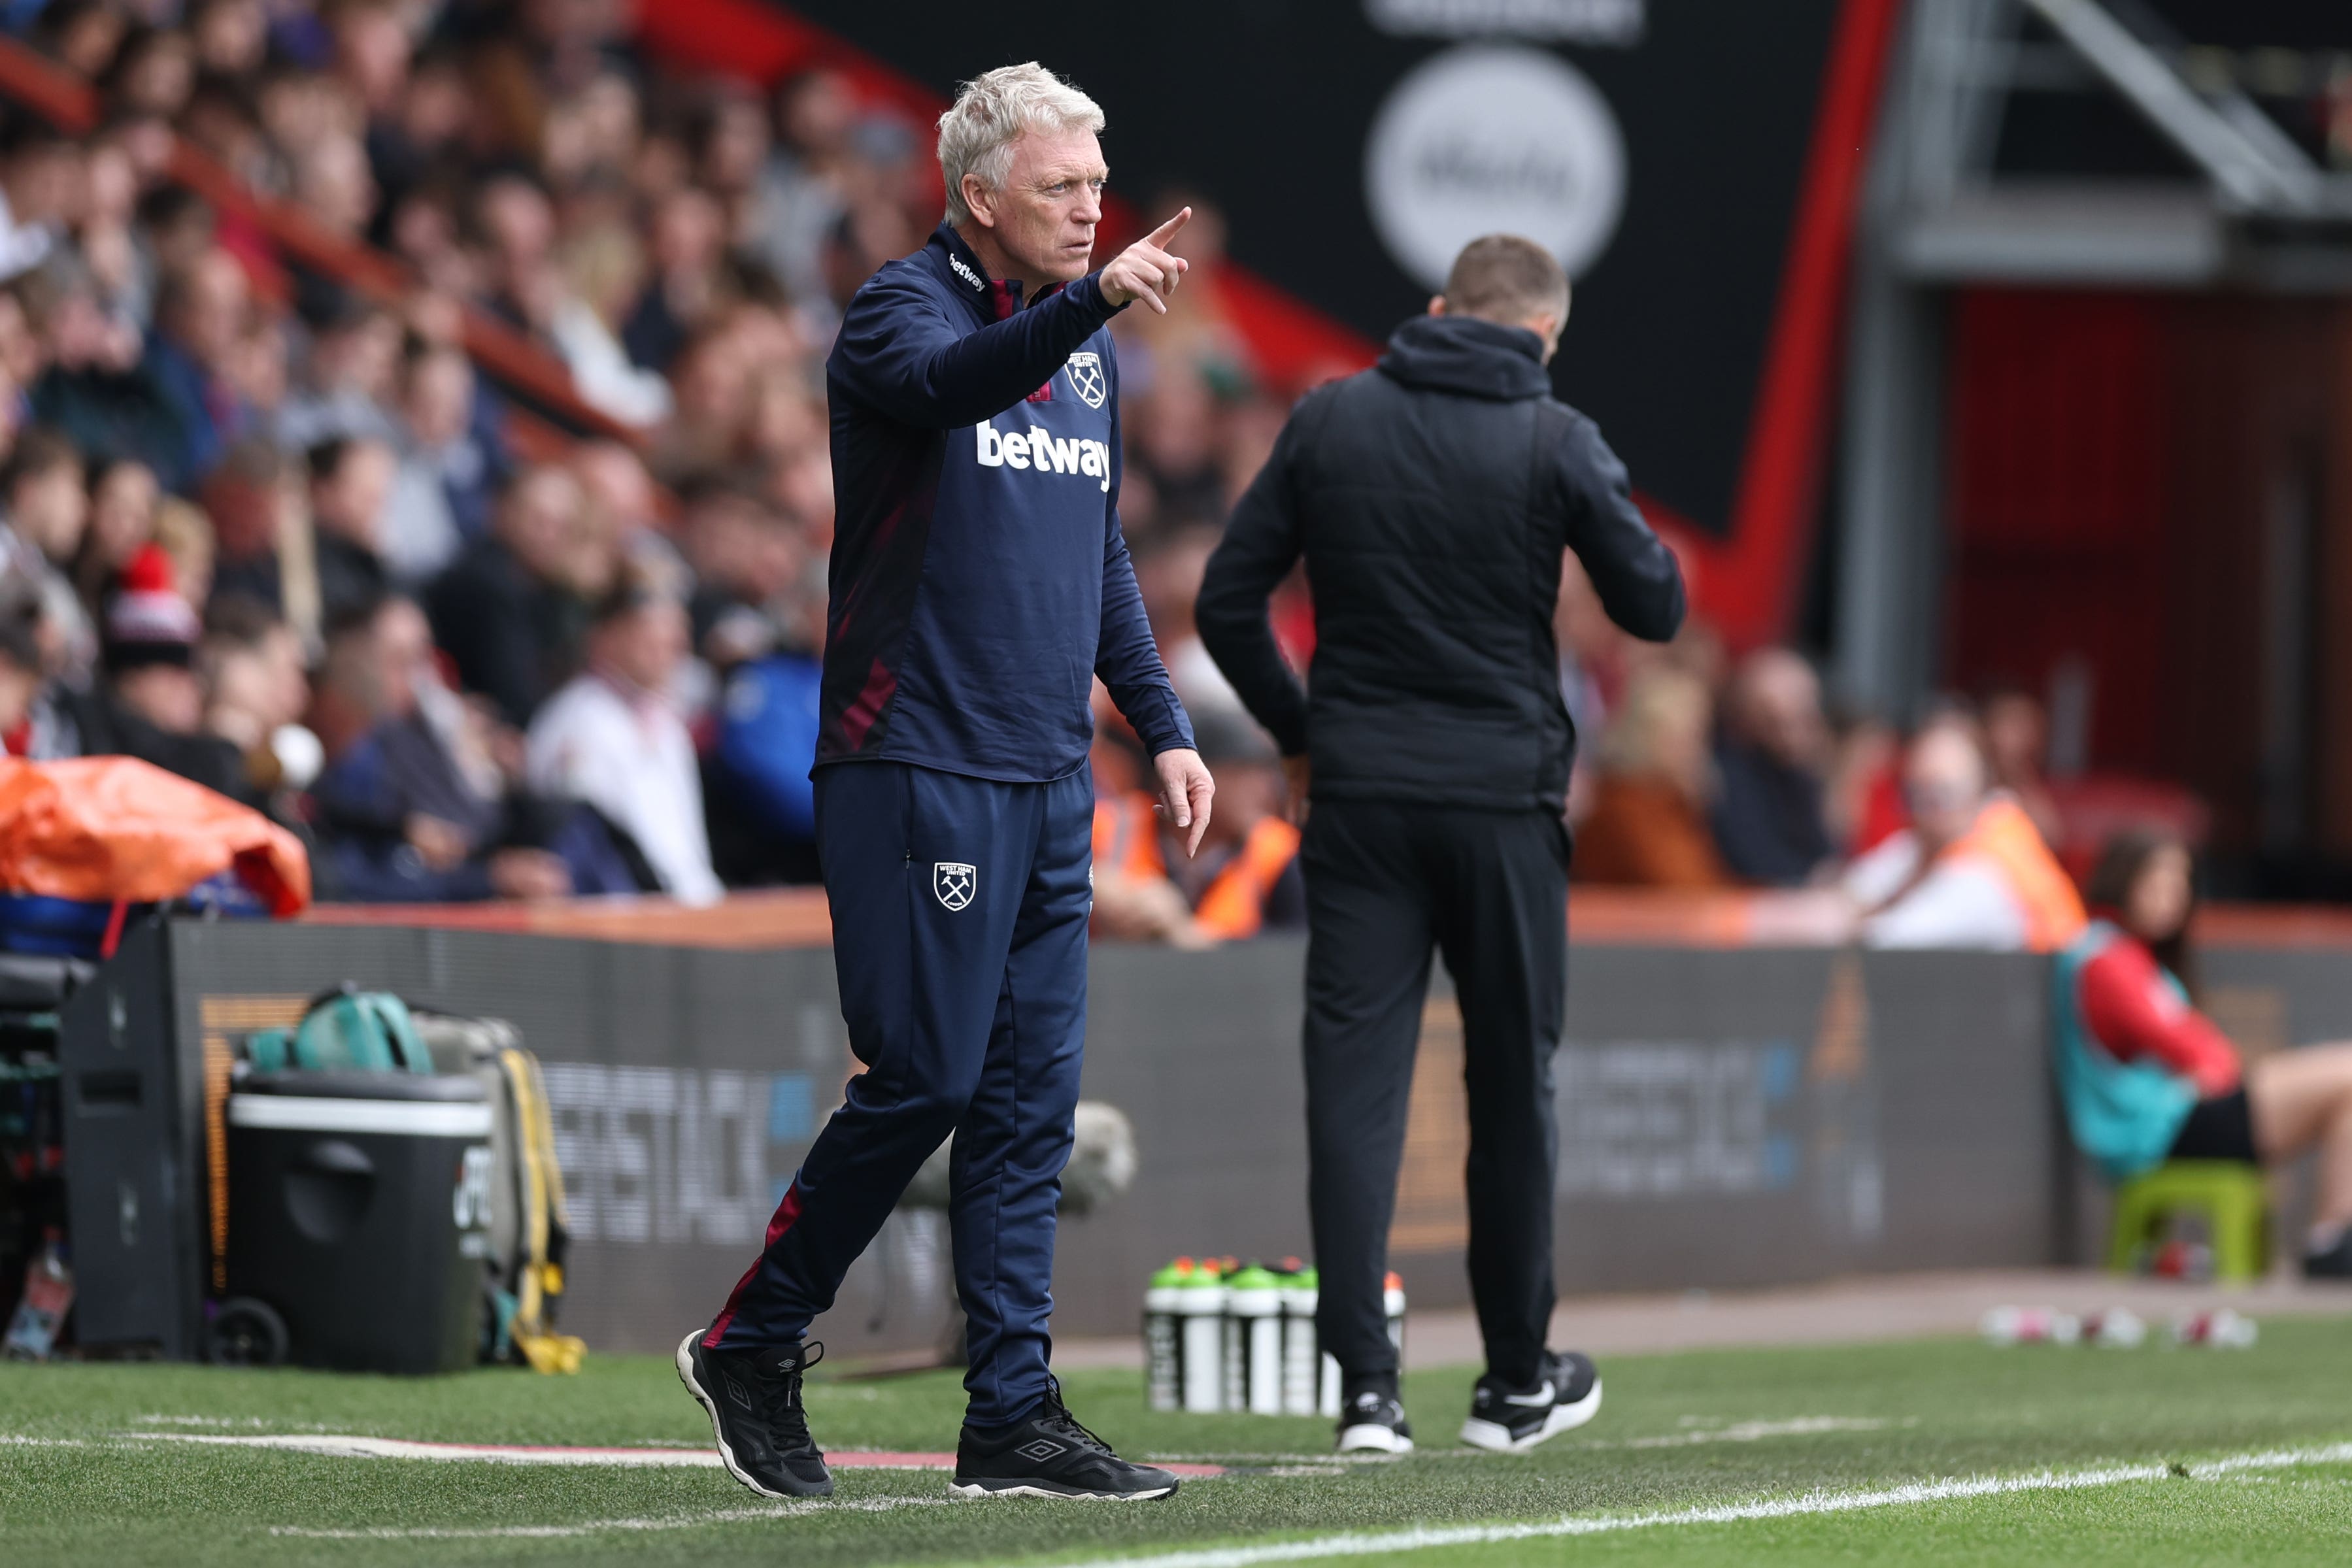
[[1161, 234]]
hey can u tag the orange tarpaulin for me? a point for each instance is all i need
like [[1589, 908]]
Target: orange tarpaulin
[[110, 829]]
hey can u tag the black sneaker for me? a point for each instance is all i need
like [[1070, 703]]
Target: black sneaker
[[1372, 1421], [2334, 1263], [1512, 1420], [1050, 1455], [754, 1400]]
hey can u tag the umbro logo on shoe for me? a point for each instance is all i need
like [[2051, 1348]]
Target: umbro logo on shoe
[[1040, 1450]]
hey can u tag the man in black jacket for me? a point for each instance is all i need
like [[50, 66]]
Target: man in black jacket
[[1432, 497]]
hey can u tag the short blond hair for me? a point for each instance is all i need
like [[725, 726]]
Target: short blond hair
[[991, 111], [1506, 277]]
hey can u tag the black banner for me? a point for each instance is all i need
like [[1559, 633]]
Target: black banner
[[1660, 144]]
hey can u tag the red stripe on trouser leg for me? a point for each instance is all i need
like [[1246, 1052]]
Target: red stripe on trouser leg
[[780, 1221]]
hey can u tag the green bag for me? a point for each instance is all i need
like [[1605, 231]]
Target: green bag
[[345, 1029]]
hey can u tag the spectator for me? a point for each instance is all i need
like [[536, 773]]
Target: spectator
[[612, 739], [1648, 825], [184, 534], [350, 484], [411, 807], [261, 525], [1972, 871], [448, 473], [2017, 745], [151, 645], [1770, 760], [762, 803], [1175, 436], [46, 509], [1169, 577], [1245, 878], [506, 612], [95, 388], [256, 691], [748, 559], [201, 320], [2147, 1078], [121, 522], [20, 668], [689, 233], [150, 705], [1133, 899], [804, 189], [348, 382], [40, 170]]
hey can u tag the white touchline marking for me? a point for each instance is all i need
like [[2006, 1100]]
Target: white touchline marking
[[1370, 1543], [342, 1445], [1756, 1431], [783, 1510], [358, 1447], [12, 1441]]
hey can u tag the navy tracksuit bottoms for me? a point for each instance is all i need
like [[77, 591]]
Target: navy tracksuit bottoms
[[959, 911]]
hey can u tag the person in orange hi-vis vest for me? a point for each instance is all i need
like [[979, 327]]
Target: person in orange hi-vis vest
[[1245, 880], [1971, 870]]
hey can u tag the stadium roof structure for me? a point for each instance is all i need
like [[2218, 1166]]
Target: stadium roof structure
[[2142, 146], [2149, 143]]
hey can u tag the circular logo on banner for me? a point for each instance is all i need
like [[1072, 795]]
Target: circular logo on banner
[[1486, 140]]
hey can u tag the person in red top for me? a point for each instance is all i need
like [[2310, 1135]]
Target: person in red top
[[2265, 1112]]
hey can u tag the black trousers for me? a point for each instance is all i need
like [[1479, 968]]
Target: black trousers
[[1386, 885]]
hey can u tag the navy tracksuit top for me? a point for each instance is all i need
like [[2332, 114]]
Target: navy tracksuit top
[[978, 577]]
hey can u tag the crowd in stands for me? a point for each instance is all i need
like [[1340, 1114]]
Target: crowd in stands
[[282, 535], [276, 531]]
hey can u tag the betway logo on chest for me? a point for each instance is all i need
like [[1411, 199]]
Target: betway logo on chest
[[1046, 454]]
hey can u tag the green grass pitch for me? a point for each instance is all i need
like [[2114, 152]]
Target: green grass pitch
[[2224, 1457]]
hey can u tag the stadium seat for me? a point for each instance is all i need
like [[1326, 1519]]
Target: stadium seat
[[2229, 1196]]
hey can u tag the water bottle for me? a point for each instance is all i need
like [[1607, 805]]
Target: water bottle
[[1164, 1349], [2030, 1325], [1202, 1309], [2117, 1328], [48, 1294], [1299, 1350], [2221, 1330], [1254, 1343]]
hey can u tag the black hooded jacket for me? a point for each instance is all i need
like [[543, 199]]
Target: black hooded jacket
[[1432, 496]]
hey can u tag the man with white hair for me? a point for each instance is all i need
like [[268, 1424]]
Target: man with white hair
[[979, 585]]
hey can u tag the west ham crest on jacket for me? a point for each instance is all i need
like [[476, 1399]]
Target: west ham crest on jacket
[[954, 881], [1087, 378]]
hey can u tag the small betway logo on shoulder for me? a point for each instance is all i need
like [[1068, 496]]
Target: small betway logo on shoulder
[[1047, 453], [967, 274]]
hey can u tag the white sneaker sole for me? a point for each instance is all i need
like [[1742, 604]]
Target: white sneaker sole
[[974, 1490], [1373, 1438], [1496, 1438], [685, 1363]]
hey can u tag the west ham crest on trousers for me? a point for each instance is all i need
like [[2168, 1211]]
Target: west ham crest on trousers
[[1087, 378], [953, 881]]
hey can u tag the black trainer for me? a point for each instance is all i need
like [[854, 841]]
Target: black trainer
[[2334, 1263], [754, 1401], [1371, 1420], [1050, 1455], [1565, 1395]]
